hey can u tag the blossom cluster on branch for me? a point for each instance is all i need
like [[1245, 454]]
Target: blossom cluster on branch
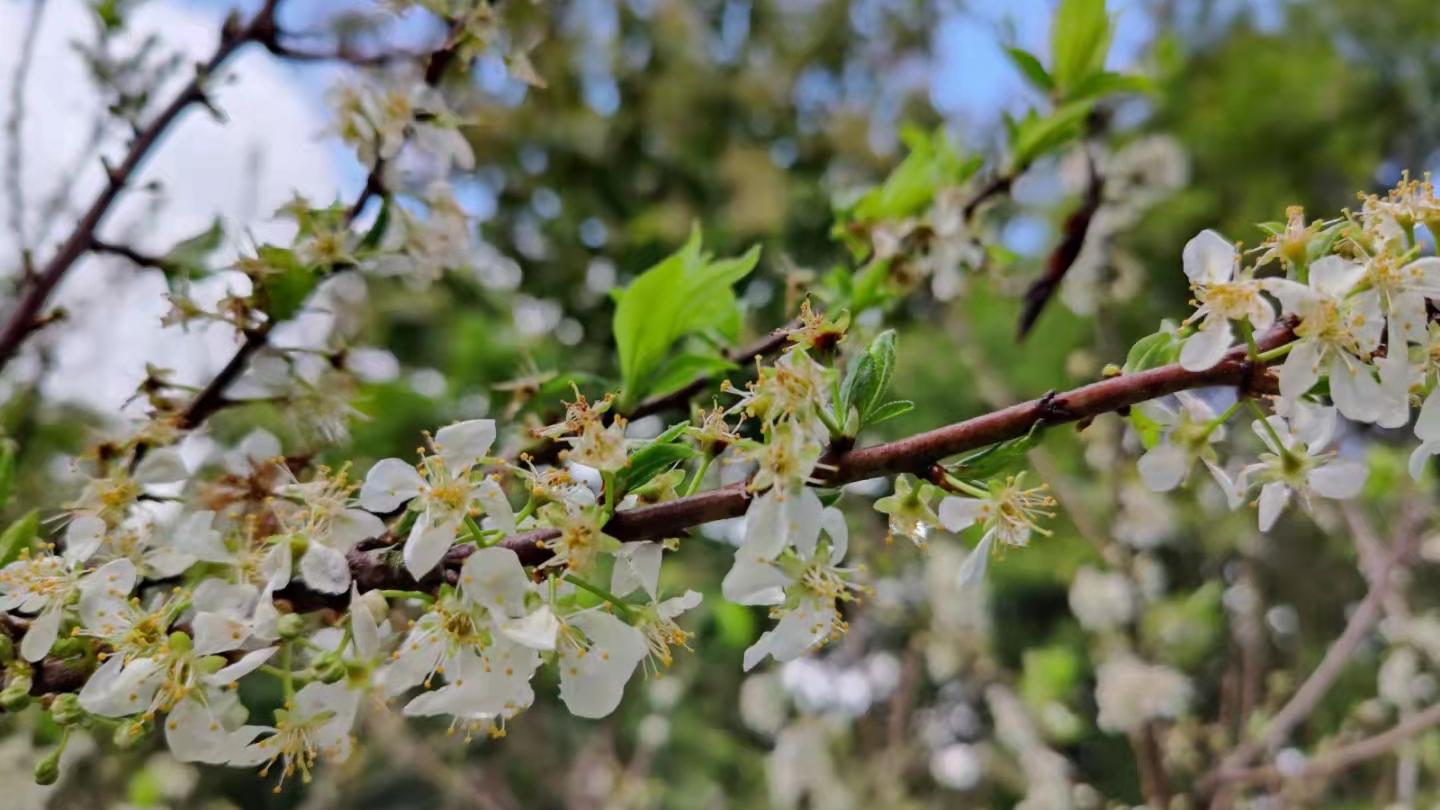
[[446, 582]]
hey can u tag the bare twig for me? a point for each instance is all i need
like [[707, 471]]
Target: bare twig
[[35, 292], [1346, 756], [14, 126], [1318, 683]]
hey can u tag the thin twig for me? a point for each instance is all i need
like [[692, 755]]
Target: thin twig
[[26, 315], [14, 125], [1345, 756], [1317, 684]]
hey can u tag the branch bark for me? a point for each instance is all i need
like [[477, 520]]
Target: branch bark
[[36, 289]]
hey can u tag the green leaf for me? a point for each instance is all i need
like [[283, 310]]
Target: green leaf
[[685, 293], [997, 458], [1106, 83], [286, 284], [890, 410], [1154, 350], [7, 470], [190, 258], [19, 536], [932, 164], [1035, 136], [1031, 69], [378, 228], [868, 379], [1079, 40], [660, 455], [683, 369]]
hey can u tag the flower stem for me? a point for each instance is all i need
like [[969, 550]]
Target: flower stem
[[699, 476], [526, 510], [1249, 332], [966, 487], [1223, 417], [421, 595], [600, 592], [476, 533], [1269, 428], [1277, 352]]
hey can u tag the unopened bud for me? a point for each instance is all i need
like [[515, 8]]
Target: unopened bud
[[290, 626], [375, 602], [180, 642], [47, 770], [7, 649], [16, 694], [66, 711], [129, 733], [330, 669]]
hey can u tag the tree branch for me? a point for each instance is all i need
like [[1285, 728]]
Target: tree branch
[[1305, 699], [35, 290]]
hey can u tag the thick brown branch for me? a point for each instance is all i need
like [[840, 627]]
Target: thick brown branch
[[35, 290], [917, 453]]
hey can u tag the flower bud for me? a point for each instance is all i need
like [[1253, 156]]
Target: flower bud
[[47, 770], [375, 602], [16, 694], [290, 626], [7, 649], [330, 669], [129, 733], [180, 642], [66, 711]]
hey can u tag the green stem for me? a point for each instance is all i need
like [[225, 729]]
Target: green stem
[[1269, 428], [476, 533], [1277, 353], [1249, 332], [607, 482], [527, 510], [287, 677], [966, 487], [1224, 417], [694, 485], [421, 595], [602, 593]]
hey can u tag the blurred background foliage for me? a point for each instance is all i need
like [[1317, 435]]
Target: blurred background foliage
[[752, 119]]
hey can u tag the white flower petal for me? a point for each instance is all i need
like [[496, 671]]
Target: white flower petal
[[1339, 479], [592, 683], [1207, 346], [40, 635], [973, 569], [389, 483], [463, 444], [427, 544], [325, 569], [1163, 467], [217, 633], [1209, 258], [637, 566], [958, 513], [1273, 497], [83, 538]]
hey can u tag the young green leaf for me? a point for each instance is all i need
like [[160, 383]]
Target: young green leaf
[[1031, 69], [1079, 41], [685, 293], [19, 536]]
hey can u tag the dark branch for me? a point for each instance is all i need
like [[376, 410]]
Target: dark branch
[[25, 317]]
